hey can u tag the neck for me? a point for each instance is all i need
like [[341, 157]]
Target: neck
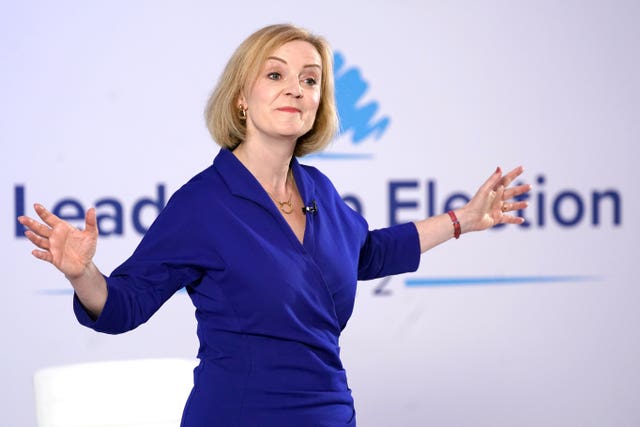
[[269, 164]]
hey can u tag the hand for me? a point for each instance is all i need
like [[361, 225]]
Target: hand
[[69, 249], [493, 201]]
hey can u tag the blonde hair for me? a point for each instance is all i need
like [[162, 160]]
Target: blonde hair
[[222, 112]]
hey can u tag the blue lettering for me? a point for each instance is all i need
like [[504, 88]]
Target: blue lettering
[[18, 195], [614, 196], [567, 208], [541, 202], [395, 204], [68, 210], [109, 211], [116, 217], [431, 198], [557, 214], [158, 204]]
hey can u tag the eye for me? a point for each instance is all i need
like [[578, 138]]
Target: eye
[[310, 81], [274, 75]]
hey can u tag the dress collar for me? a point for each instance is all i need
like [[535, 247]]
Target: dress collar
[[242, 183]]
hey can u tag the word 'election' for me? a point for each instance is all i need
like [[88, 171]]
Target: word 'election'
[[406, 200], [409, 199]]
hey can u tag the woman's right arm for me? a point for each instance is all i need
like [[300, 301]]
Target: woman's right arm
[[71, 251]]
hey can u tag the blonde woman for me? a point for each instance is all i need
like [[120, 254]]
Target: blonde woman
[[266, 248]]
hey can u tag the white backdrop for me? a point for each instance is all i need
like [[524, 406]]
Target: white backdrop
[[527, 326]]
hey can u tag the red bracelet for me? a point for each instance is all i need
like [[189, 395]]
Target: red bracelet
[[456, 224]]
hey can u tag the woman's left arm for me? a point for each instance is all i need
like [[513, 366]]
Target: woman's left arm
[[490, 206]]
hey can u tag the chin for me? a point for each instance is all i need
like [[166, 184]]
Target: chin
[[293, 133]]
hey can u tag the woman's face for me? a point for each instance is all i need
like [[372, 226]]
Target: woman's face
[[284, 99]]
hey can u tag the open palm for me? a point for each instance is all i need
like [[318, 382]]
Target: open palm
[[69, 249], [495, 199]]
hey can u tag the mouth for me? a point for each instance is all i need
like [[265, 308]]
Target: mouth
[[288, 110]]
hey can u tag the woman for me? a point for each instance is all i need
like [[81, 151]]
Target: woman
[[266, 248]]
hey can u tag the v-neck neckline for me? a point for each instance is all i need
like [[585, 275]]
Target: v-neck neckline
[[243, 183]]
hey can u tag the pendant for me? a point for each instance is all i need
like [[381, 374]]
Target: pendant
[[286, 210]]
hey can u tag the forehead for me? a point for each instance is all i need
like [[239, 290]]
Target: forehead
[[298, 52]]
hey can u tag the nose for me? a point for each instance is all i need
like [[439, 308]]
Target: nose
[[294, 89]]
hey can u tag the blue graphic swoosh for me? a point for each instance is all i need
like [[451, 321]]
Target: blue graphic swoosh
[[340, 156], [495, 280]]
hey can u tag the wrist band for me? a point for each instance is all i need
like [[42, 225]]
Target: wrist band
[[456, 224]]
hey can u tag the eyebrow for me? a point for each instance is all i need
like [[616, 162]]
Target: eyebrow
[[275, 58]]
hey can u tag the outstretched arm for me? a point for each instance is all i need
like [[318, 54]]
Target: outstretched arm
[[71, 251], [490, 206]]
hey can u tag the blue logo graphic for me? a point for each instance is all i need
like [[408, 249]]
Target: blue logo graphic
[[358, 117], [350, 88]]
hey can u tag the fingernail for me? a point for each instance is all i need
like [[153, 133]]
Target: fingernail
[[497, 169]]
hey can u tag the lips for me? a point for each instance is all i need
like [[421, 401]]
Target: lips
[[289, 110]]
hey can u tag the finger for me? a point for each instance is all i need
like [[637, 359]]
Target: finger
[[510, 219], [35, 226], [26, 221], [509, 177], [512, 192], [497, 202], [91, 222], [50, 219], [43, 255], [515, 206], [492, 182], [39, 241]]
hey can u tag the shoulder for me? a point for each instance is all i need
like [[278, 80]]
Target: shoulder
[[318, 178], [194, 199], [200, 188], [329, 198]]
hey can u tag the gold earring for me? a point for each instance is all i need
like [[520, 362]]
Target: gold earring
[[242, 113]]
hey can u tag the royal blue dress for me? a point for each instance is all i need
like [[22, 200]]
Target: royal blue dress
[[270, 310]]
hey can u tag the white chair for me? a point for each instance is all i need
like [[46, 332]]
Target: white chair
[[131, 393]]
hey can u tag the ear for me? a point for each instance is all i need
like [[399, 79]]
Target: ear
[[241, 101]]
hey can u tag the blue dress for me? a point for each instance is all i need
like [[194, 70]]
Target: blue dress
[[270, 310]]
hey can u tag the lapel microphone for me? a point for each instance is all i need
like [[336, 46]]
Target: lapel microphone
[[312, 208]]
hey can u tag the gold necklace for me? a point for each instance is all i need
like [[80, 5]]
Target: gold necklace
[[281, 205], [289, 206]]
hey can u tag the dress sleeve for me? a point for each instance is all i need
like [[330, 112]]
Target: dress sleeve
[[173, 253], [388, 251], [382, 252]]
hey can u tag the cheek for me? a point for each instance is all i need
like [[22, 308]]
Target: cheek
[[314, 102]]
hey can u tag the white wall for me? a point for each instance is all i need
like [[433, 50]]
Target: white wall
[[105, 100]]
